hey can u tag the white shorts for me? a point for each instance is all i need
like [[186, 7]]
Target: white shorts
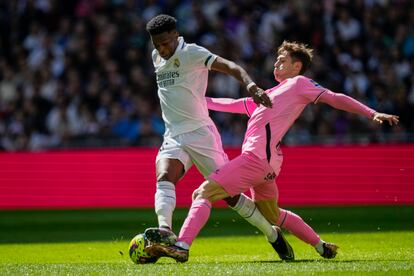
[[201, 147]]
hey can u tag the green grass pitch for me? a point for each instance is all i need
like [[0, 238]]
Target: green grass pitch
[[372, 240]]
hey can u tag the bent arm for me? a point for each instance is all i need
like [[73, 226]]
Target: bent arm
[[228, 105], [346, 103], [229, 67]]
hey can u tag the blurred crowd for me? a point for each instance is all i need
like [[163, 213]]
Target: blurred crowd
[[78, 73]]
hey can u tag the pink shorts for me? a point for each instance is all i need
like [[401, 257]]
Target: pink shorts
[[246, 172]]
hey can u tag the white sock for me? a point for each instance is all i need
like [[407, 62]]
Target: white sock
[[165, 203], [319, 246], [248, 210], [183, 245]]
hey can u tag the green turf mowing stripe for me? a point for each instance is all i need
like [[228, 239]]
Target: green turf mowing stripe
[[115, 224]]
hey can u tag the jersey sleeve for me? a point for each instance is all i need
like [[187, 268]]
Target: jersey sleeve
[[249, 105], [346, 103], [200, 56], [309, 89], [242, 105]]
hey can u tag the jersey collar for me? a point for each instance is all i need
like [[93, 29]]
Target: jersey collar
[[180, 46]]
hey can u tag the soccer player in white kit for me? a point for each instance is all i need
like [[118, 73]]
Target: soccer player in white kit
[[259, 163], [191, 136]]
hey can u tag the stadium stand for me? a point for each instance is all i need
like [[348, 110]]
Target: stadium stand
[[77, 74]]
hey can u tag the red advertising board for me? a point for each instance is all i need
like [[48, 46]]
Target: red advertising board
[[317, 175]]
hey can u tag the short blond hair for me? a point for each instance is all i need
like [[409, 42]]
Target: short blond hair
[[298, 52]]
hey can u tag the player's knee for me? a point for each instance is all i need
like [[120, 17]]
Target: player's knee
[[163, 176], [202, 191], [277, 214], [232, 201], [195, 194]]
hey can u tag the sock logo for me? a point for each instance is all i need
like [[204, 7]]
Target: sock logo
[[270, 176]]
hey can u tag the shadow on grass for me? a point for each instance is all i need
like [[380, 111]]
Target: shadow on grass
[[305, 261], [326, 261], [123, 224]]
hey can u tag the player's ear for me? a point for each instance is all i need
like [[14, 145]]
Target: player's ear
[[297, 65]]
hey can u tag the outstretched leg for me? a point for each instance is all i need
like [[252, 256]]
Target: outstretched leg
[[297, 226]]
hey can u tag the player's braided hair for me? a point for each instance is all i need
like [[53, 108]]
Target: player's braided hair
[[160, 24], [298, 52]]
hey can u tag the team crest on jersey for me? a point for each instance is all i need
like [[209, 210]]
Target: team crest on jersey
[[316, 84], [176, 63]]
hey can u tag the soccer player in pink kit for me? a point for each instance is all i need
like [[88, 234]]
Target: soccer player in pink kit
[[261, 158], [190, 137]]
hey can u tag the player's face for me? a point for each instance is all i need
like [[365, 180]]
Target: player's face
[[165, 43], [285, 67]]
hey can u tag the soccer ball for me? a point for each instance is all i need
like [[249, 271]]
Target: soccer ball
[[137, 253]]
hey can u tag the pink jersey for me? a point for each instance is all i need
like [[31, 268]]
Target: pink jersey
[[267, 126]]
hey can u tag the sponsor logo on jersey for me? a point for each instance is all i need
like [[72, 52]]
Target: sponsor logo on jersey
[[176, 63], [167, 78]]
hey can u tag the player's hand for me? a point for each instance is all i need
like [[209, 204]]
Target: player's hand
[[381, 117], [259, 96]]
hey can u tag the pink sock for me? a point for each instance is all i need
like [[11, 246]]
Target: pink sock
[[295, 225], [196, 219]]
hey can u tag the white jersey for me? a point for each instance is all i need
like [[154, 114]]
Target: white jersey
[[182, 84]]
